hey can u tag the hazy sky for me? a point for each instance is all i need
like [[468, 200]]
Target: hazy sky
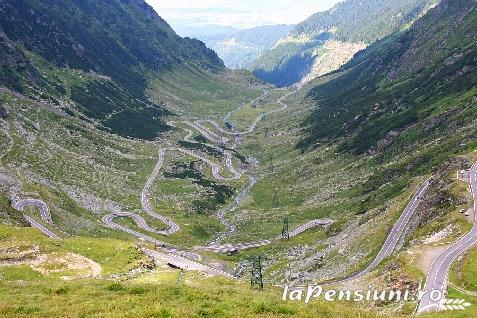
[[240, 14]]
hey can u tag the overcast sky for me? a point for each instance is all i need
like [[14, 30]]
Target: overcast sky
[[239, 14]]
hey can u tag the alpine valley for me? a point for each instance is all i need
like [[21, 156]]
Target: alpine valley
[[145, 174]]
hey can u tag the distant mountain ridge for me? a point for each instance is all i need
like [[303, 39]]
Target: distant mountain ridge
[[356, 22], [239, 48], [197, 31], [362, 20]]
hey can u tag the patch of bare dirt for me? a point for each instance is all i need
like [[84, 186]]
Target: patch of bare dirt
[[17, 255], [424, 255], [55, 263], [46, 264]]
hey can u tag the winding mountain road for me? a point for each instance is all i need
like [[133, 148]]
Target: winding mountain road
[[393, 237], [244, 246], [173, 227], [437, 276], [215, 167], [309, 225], [397, 230], [42, 228], [189, 260], [391, 242], [42, 206], [140, 222], [173, 255], [216, 173], [252, 127], [185, 263], [44, 213]]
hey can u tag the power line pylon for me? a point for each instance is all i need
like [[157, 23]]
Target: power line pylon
[[256, 277]]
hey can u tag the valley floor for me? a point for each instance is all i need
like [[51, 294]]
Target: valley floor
[[98, 270]]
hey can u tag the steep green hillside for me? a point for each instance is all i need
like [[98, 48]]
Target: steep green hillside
[[121, 45], [362, 21], [351, 21], [374, 130], [408, 101], [410, 86], [86, 76]]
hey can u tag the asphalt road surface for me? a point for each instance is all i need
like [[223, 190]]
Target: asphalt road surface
[[394, 236], [173, 227], [185, 263], [250, 129], [173, 254], [437, 277], [243, 246], [44, 213], [42, 228], [44, 210]]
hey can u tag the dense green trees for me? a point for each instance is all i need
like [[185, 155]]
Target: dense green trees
[[406, 90], [348, 21], [363, 20]]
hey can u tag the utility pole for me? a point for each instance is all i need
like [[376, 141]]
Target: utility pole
[[285, 232], [270, 164], [257, 278]]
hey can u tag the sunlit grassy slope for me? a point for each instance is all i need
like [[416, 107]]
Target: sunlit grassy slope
[[28, 293], [192, 91]]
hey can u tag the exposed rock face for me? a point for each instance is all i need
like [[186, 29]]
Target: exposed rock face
[[3, 112], [13, 63], [326, 40], [336, 54]]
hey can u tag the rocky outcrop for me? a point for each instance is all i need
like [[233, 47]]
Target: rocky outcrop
[[3, 112], [14, 64], [335, 54]]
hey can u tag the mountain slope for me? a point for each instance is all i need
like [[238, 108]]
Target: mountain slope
[[410, 99], [84, 174], [84, 85], [113, 35], [118, 46], [240, 48], [354, 22]]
